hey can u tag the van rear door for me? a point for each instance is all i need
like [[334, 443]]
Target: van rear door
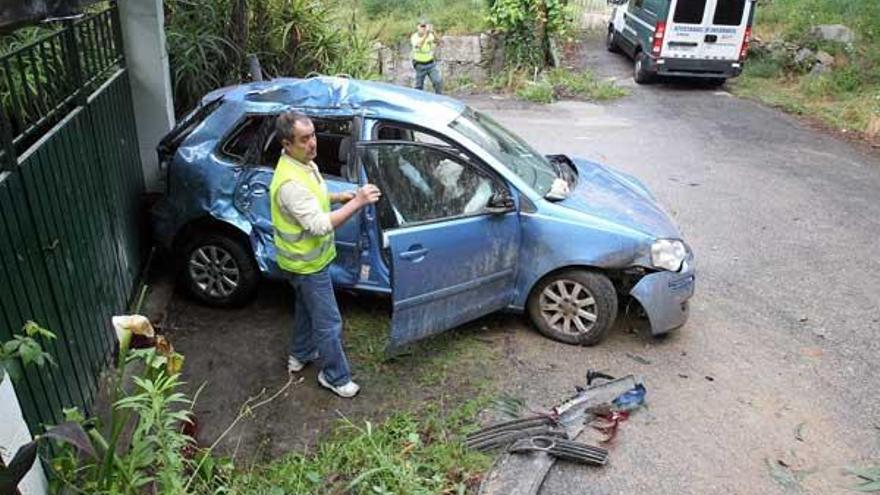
[[706, 29]]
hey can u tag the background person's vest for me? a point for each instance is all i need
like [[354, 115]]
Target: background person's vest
[[296, 249], [426, 52]]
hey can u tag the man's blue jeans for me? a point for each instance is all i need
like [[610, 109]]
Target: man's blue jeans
[[317, 326], [431, 70]]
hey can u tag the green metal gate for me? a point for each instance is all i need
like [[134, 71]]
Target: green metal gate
[[70, 190]]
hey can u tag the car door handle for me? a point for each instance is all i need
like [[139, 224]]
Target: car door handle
[[415, 253]]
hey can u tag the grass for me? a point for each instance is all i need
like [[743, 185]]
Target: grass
[[557, 84], [847, 97], [450, 358], [408, 453], [394, 22]]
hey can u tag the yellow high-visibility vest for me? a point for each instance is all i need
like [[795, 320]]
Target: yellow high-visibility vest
[[297, 250]]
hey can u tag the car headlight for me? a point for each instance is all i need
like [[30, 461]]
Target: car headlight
[[668, 254]]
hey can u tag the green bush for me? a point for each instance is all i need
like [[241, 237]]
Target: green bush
[[208, 42]]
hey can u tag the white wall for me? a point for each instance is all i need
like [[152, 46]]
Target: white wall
[[13, 434], [143, 33]]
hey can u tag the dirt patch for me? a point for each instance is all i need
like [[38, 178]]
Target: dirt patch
[[239, 354]]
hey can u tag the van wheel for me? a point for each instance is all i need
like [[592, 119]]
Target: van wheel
[[640, 69], [716, 82], [611, 42], [219, 270], [574, 307]]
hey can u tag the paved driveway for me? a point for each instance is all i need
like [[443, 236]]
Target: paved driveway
[[772, 385]]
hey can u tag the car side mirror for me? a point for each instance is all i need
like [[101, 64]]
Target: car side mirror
[[499, 203]]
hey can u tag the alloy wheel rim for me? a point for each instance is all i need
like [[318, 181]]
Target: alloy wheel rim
[[214, 271], [569, 307]]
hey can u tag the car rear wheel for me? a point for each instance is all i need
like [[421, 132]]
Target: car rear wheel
[[219, 270], [641, 75], [574, 307]]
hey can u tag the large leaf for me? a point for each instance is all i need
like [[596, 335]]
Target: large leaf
[[72, 432], [18, 467]]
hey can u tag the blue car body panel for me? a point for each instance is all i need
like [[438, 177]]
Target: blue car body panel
[[439, 274]]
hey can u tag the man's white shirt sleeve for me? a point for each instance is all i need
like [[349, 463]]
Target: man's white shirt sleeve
[[299, 204]]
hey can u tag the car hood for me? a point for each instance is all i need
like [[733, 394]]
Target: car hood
[[619, 198]]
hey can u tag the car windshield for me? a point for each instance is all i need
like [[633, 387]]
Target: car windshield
[[508, 148]]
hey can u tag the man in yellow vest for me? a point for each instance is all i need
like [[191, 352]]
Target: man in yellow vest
[[423, 44], [303, 231]]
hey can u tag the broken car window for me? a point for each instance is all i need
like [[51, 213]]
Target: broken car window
[[507, 148], [422, 184]]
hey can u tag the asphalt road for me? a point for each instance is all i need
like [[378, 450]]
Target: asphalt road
[[772, 385]]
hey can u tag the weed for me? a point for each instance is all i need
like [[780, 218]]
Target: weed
[[536, 92], [404, 454]]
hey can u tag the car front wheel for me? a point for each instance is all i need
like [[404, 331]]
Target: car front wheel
[[219, 270], [574, 307]]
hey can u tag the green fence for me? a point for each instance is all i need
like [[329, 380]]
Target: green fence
[[70, 191]]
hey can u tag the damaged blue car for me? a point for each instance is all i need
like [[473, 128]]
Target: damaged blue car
[[472, 220]]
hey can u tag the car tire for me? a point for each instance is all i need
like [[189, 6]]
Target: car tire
[[611, 42], [219, 270], [555, 299], [641, 75], [716, 82]]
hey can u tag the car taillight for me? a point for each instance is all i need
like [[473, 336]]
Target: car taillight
[[659, 34], [745, 46]]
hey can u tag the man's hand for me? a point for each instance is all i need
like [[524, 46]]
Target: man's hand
[[368, 194], [344, 197]]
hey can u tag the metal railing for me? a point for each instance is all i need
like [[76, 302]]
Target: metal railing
[[42, 81]]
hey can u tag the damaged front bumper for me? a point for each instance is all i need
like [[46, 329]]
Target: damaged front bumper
[[664, 297]]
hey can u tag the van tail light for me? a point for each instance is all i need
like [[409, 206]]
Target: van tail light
[[745, 46], [659, 34]]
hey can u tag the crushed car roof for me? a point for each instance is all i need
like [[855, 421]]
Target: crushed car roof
[[338, 93]]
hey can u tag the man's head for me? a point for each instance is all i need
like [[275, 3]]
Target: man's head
[[424, 26], [296, 133]]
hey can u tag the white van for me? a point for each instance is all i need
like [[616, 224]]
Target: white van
[[692, 38]]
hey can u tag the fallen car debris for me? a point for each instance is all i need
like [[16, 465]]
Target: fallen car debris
[[562, 449], [534, 443], [503, 434]]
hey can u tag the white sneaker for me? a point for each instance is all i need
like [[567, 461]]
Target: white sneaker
[[294, 365], [347, 391]]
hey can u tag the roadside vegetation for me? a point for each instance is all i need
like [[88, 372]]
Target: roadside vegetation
[[144, 443], [557, 84], [394, 22], [783, 70]]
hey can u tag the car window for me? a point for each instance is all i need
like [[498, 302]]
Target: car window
[[689, 11], [334, 145], [422, 184], [390, 131], [240, 140], [729, 12], [508, 148]]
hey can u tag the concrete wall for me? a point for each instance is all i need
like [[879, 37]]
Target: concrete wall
[[13, 434], [143, 32], [462, 58]]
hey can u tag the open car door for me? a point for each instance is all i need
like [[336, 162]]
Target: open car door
[[450, 236]]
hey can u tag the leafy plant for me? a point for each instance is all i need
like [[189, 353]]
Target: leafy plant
[[528, 26], [208, 43], [24, 350], [148, 448]]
